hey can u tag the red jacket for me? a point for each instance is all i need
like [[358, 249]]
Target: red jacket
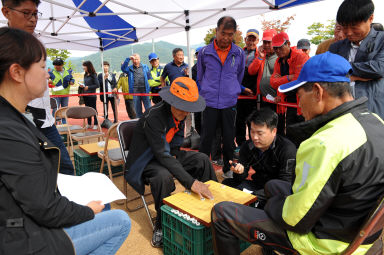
[[257, 67], [295, 62]]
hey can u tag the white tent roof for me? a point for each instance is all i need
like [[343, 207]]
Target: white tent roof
[[63, 25]]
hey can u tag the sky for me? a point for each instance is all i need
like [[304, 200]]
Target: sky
[[305, 15]]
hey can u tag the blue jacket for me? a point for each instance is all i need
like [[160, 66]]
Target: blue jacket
[[369, 63], [220, 84], [129, 70]]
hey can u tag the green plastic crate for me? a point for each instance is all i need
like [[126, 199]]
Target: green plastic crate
[[64, 139], [182, 237], [85, 163]]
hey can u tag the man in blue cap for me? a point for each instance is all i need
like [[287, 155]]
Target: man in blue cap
[[156, 72], [339, 173]]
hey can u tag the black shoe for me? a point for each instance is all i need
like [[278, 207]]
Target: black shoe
[[157, 238]]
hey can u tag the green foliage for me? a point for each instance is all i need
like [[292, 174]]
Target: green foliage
[[321, 32], [55, 53], [70, 65], [239, 40]]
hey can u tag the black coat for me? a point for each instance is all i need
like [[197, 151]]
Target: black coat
[[112, 82], [32, 213], [92, 82]]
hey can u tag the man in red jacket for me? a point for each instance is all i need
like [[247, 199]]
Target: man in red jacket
[[263, 65], [287, 68]]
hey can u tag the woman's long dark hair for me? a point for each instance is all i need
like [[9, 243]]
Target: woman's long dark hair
[[90, 68]]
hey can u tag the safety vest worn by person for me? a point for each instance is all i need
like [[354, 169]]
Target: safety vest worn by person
[[61, 82], [156, 73]]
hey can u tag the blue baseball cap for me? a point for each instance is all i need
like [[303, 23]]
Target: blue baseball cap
[[198, 49], [326, 67], [152, 56], [253, 32]]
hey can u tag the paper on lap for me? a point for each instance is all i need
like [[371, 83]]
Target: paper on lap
[[88, 187]]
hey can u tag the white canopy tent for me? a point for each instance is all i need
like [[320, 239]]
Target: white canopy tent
[[93, 25]]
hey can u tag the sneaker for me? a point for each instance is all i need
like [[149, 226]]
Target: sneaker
[[228, 175], [94, 127], [236, 153], [88, 126], [157, 238]]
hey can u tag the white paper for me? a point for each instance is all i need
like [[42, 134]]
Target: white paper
[[58, 88], [270, 98], [88, 187], [247, 191]]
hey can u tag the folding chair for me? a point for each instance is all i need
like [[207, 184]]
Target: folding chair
[[374, 224], [125, 132], [113, 157], [62, 128], [82, 112]]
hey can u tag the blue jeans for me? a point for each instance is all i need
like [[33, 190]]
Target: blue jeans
[[103, 235], [66, 166], [137, 100], [61, 102]]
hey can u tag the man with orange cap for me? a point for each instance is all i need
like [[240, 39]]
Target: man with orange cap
[[155, 156]]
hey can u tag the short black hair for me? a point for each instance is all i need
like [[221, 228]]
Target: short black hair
[[176, 50], [19, 47], [16, 3], [106, 63], [334, 89], [352, 12], [377, 26], [228, 22], [58, 62], [264, 116]]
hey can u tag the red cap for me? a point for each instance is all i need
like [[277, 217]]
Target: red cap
[[279, 39], [269, 34]]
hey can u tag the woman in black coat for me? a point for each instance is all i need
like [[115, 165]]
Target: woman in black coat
[[91, 83], [34, 217]]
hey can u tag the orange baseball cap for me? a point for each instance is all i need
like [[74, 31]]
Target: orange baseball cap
[[183, 94]]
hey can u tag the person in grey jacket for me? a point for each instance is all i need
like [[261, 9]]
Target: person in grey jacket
[[364, 49]]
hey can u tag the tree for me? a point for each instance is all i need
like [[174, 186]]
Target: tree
[[239, 40], [278, 25], [54, 53], [321, 32], [70, 65]]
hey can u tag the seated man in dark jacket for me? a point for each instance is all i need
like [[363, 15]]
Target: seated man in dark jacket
[[269, 154], [155, 156]]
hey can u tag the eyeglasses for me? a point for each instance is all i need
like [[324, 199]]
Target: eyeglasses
[[27, 14]]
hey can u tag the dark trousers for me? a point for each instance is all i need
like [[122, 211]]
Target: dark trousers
[[156, 99], [197, 116], [110, 100], [161, 180], [216, 149], [286, 120], [52, 134], [231, 222], [244, 109], [91, 102], [226, 117], [130, 108]]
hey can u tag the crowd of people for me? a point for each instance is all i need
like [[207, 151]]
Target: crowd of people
[[314, 137]]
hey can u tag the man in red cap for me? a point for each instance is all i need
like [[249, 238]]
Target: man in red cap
[[287, 68], [263, 66]]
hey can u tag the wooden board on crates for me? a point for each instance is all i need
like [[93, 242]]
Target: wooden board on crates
[[191, 204], [94, 148]]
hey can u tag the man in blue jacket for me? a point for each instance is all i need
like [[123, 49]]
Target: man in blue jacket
[[220, 72], [364, 49], [138, 76]]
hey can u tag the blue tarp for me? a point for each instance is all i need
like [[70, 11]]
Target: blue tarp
[[294, 3], [108, 22]]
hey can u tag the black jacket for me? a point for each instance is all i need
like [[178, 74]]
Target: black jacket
[[149, 143], [92, 82], [28, 174], [112, 82], [278, 162]]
